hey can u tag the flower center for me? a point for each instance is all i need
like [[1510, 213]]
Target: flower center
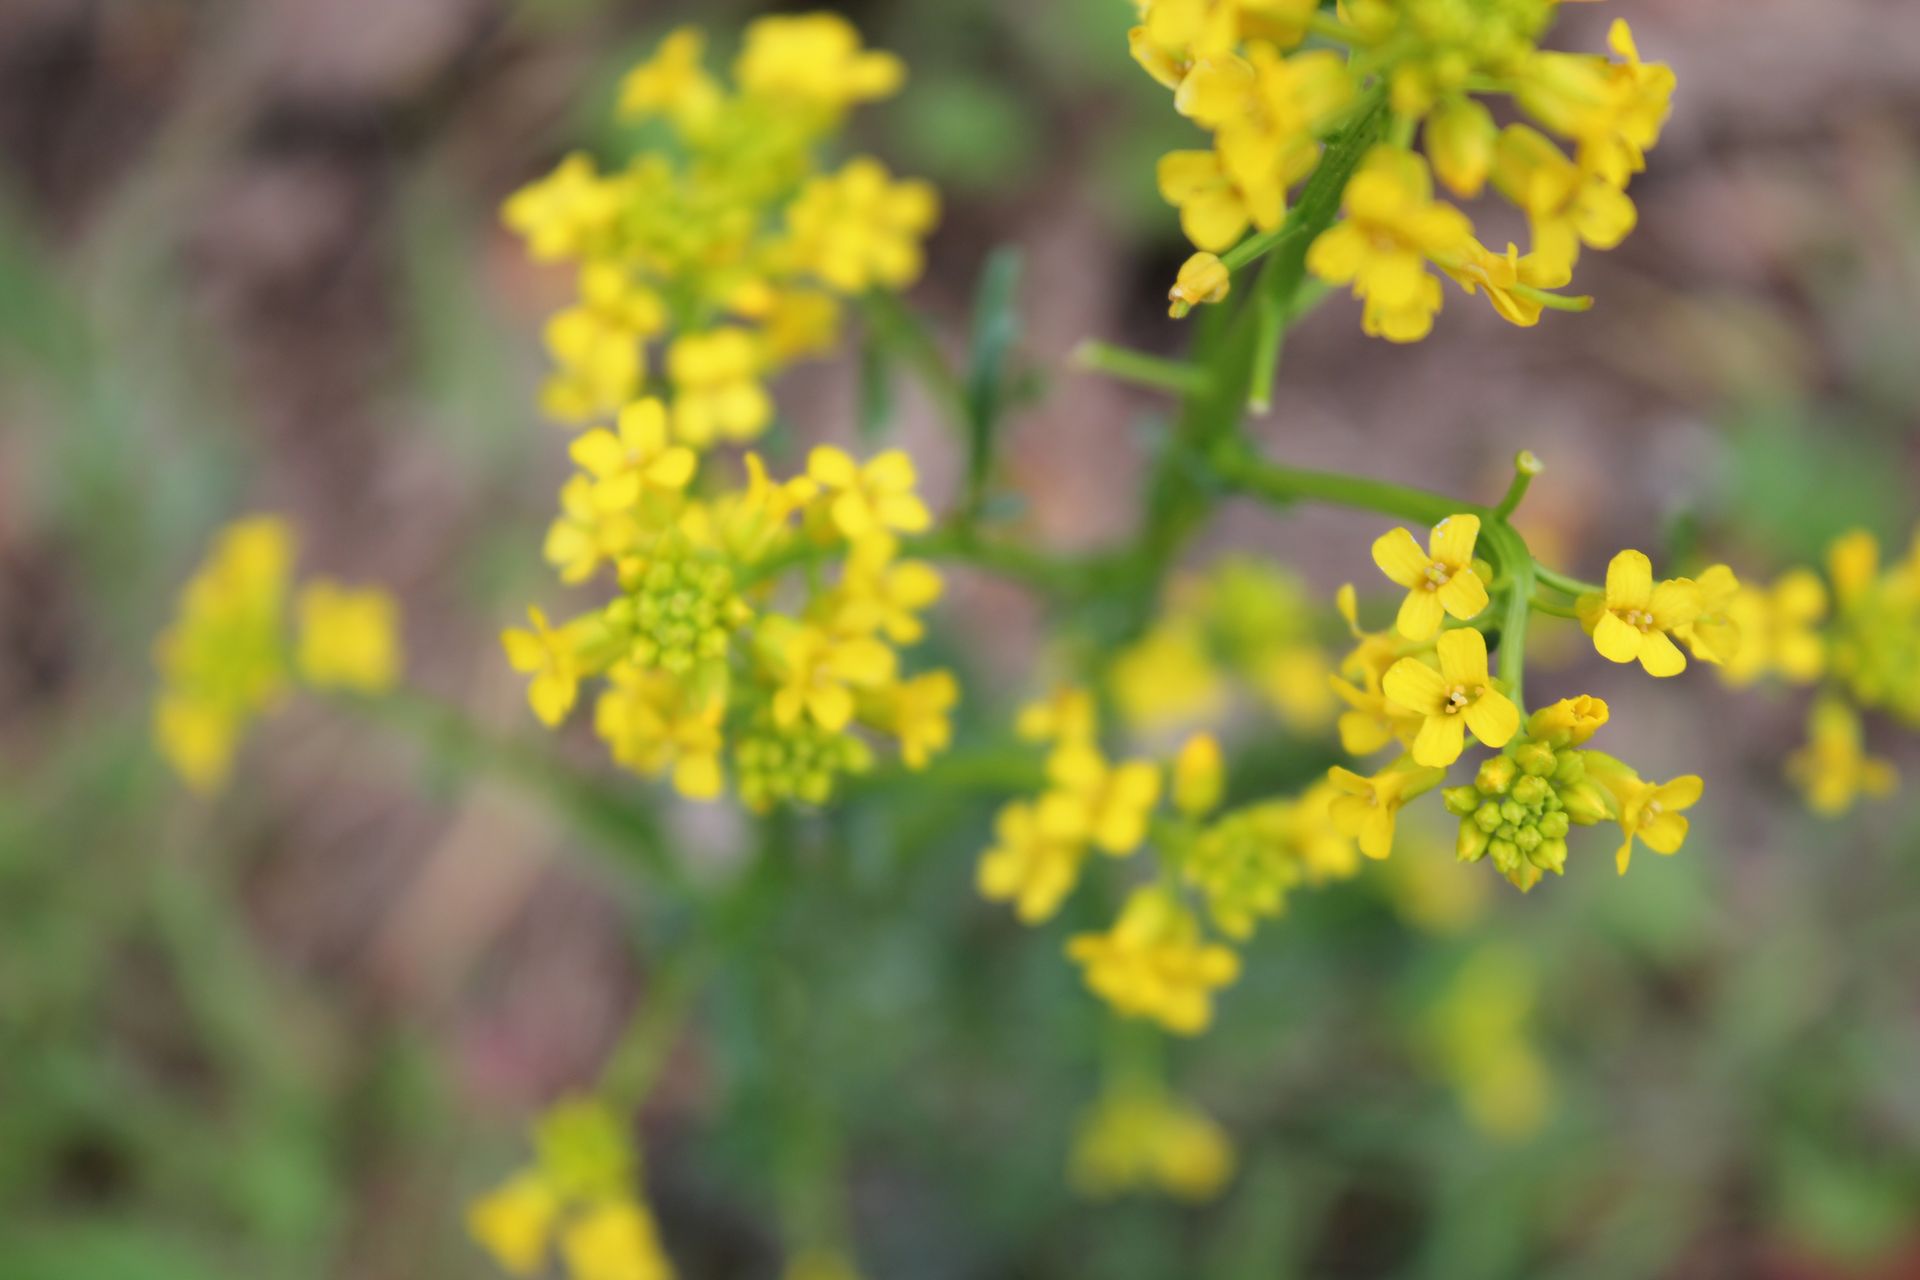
[[1457, 698], [1637, 618], [1438, 575]]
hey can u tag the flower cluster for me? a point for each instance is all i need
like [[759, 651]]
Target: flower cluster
[[233, 650], [581, 1199], [730, 252], [1138, 1138], [723, 254], [1229, 869], [1270, 80]]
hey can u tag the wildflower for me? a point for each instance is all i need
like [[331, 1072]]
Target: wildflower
[[1090, 799], [1203, 278], [801, 761], [549, 656], [1459, 696], [1028, 866], [1512, 282], [1634, 618], [1199, 776], [885, 596], [567, 214], [1441, 580], [1459, 138], [673, 82], [655, 724], [1247, 861], [1568, 722], [817, 672], [1154, 963], [1778, 629], [680, 611], [635, 461], [1651, 811], [515, 1222], [1366, 809], [1833, 769], [859, 228], [615, 1240], [917, 713], [1392, 227], [716, 385], [1713, 635], [1136, 1138], [1520, 805], [1214, 210], [1264, 108], [586, 534], [876, 498], [814, 60], [1371, 721], [1067, 715], [1614, 109], [223, 659], [1566, 205], [348, 639], [1168, 677]]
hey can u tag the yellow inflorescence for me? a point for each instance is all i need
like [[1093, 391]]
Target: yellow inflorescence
[[231, 651], [581, 1201], [703, 269], [1137, 1138], [1270, 80]]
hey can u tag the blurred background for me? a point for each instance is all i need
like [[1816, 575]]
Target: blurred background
[[250, 259]]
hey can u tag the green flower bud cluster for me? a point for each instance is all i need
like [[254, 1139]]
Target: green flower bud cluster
[[1520, 806], [803, 762], [1876, 652], [1244, 865], [681, 611]]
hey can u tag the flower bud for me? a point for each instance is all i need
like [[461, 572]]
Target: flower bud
[[1495, 776], [1535, 759], [1199, 776]]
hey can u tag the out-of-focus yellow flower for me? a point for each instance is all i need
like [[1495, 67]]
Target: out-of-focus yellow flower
[[879, 594], [223, 659], [1714, 635], [918, 714], [859, 228], [1833, 769], [1248, 860], [716, 388], [1168, 678], [1203, 278], [1027, 866], [1393, 226], [1440, 580], [549, 656], [814, 60], [1371, 721], [1066, 715], [1199, 776], [1091, 799], [653, 724], [1478, 1033], [1512, 282], [1154, 963], [871, 500], [614, 1240], [1459, 138], [1214, 209], [515, 1222], [599, 365], [636, 460], [673, 82], [1366, 809], [1566, 205], [818, 672], [1779, 628], [1141, 1139], [1614, 110], [349, 639], [568, 213], [1459, 696], [1635, 618]]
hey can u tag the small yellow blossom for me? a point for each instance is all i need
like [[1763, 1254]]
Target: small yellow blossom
[[1833, 769], [1091, 799], [1511, 281], [1366, 810], [1566, 205], [1067, 715], [869, 500], [673, 82], [653, 724], [549, 656], [1440, 580], [614, 1240], [598, 362], [1635, 617], [1199, 776], [859, 228], [1203, 278], [1459, 696], [636, 460], [1652, 812], [1393, 226], [1371, 721], [814, 60], [1779, 630], [1714, 635], [515, 1223], [1154, 963], [717, 394], [585, 535], [1214, 210], [1139, 1139], [1168, 678], [1614, 110], [1459, 138], [918, 712], [1027, 866], [1568, 722], [566, 214], [348, 639], [818, 672]]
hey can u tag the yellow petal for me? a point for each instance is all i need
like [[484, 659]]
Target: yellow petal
[[1665, 834], [1659, 655], [1440, 741], [1401, 558], [1420, 614], [1493, 718], [1463, 657], [1452, 540], [1417, 687], [1464, 595], [1616, 641], [1630, 581]]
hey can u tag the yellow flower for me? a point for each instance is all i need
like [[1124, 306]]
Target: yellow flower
[[1459, 138], [1853, 561], [1439, 581], [1651, 811], [549, 656], [1833, 769], [1366, 810], [1168, 677], [1613, 109], [875, 499], [1634, 617], [814, 60], [887, 596], [585, 534], [567, 214], [1568, 722], [1090, 799], [817, 671], [1264, 108], [1508, 278], [599, 365], [1199, 776], [1566, 205], [223, 659], [515, 1223], [1067, 715], [1136, 1138], [1371, 721], [348, 639], [1457, 697], [858, 228], [1214, 209], [1392, 227], [635, 462], [673, 82], [1027, 866], [917, 713], [614, 1240], [653, 723], [1779, 630], [1714, 635], [1155, 964], [716, 387], [1203, 278]]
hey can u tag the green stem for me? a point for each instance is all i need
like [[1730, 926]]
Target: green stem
[[636, 1061], [1526, 465], [1516, 562], [1240, 469], [1564, 582], [1140, 368], [1553, 608]]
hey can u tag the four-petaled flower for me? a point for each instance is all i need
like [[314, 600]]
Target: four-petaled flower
[[1651, 811], [1365, 809], [1457, 697], [1635, 617], [547, 654], [1440, 580]]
